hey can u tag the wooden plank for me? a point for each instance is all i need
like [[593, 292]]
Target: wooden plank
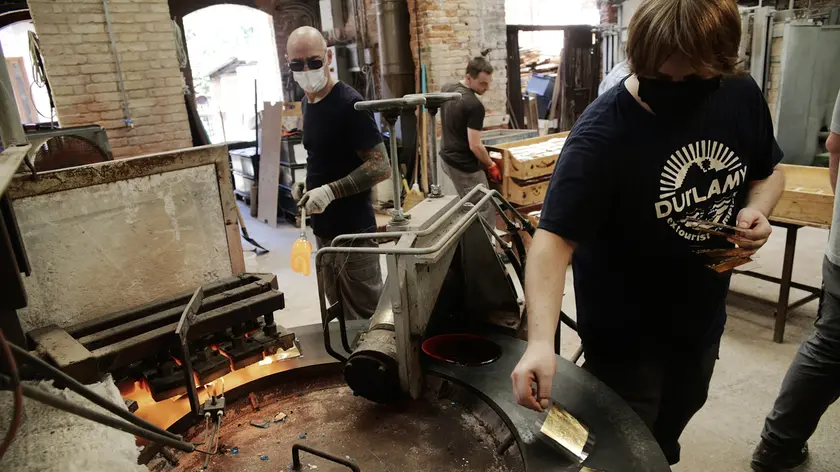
[[533, 113], [230, 213], [555, 96], [292, 109], [272, 142], [70, 356], [10, 161]]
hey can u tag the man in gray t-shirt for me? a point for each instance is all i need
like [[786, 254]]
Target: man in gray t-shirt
[[812, 382]]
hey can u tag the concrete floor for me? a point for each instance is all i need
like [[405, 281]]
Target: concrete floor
[[747, 377]]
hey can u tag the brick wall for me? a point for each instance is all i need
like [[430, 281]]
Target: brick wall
[[454, 31], [82, 71]]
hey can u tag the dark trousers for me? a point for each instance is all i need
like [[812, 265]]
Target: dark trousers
[[811, 385], [665, 392]]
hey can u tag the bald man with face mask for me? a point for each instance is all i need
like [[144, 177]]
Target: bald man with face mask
[[346, 158]]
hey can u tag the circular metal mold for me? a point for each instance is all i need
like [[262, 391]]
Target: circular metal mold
[[462, 349]]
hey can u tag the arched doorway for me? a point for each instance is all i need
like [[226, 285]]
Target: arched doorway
[[231, 50]]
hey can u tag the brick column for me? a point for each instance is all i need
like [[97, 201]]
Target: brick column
[[454, 31], [82, 70]]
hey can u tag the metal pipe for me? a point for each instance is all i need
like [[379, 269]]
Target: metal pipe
[[396, 60], [435, 191], [397, 216], [425, 232], [447, 238], [126, 110], [26, 358], [296, 448], [11, 129], [41, 396]]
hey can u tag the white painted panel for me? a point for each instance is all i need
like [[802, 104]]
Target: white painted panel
[[100, 249]]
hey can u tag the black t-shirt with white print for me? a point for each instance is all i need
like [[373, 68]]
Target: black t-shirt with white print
[[623, 185]]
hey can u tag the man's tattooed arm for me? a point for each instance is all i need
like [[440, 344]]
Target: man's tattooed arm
[[374, 169]]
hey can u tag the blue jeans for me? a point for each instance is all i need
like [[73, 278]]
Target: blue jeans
[[812, 382]]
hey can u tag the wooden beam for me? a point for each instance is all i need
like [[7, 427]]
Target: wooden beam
[[10, 161]]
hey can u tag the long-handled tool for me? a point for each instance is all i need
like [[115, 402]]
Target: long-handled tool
[[246, 237]]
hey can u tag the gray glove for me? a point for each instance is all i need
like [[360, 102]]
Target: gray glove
[[298, 189], [316, 200]]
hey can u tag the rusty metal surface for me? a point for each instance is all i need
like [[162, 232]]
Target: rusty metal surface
[[112, 171], [131, 314], [139, 347], [123, 338], [429, 434], [154, 320], [66, 353]]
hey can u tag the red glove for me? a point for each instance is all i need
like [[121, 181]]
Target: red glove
[[494, 173]]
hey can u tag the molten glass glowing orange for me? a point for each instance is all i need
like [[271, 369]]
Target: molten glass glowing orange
[[301, 255], [301, 249]]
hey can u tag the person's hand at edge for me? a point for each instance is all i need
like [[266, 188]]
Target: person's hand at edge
[[537, 366]]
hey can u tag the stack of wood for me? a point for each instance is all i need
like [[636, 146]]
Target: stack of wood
[[534, 61]]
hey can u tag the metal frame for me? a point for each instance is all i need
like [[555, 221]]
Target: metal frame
[[143, 166], [785, 282], [399, 260]]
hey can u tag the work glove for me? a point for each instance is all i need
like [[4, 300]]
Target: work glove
[[298, 189], [494, 173], [316, 200]]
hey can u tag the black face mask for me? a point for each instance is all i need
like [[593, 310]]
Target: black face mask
[[675, 100]]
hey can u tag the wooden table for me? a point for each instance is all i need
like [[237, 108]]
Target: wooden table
[[808, 200]]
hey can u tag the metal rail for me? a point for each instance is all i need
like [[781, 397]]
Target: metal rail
[[296, 448]]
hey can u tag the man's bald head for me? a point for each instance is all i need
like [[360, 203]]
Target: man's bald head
[[306, 42]]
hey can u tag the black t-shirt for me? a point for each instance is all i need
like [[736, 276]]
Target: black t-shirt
[[623, 184], [456, 117], [333, 132]]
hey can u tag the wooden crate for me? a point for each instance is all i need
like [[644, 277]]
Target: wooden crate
[[526, 169], [525, 181], [808, 198]]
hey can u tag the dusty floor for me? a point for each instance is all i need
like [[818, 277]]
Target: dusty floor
[[425, 435], [747, 377]]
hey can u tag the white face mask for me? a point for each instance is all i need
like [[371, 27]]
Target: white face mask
[[311, 81]]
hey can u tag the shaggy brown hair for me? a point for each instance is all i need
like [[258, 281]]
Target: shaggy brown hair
[[707, 32]]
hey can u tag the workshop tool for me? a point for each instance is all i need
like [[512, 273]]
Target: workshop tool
[[302, 248], [246, 237], [564, 432], [433, 103], [391, 108]]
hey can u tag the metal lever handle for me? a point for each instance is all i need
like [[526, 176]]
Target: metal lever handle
[[391, 104], [296, 448]]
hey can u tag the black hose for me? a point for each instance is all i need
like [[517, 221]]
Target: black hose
[[87, 393], [101, 418]]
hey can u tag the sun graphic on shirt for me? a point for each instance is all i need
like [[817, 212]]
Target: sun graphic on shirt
[[708, 156], [699, 181]]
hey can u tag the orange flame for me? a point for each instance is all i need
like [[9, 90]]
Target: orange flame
[[165, 413]]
